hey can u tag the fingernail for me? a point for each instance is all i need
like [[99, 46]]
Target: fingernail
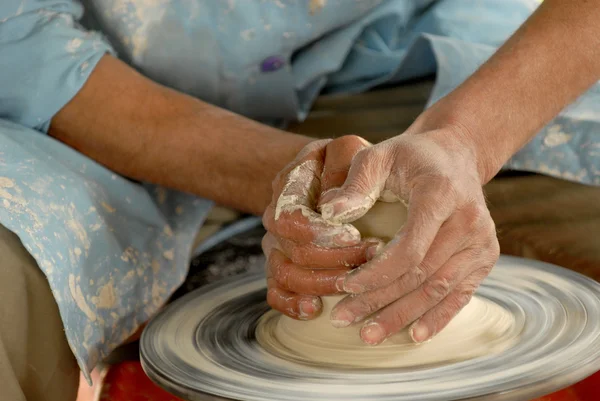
[[337, 209], [350, 236], [373, 251], [327, 196], [327, 211], [309, 306], [419, 332], [372, 333], [341, 318], [339, 283]]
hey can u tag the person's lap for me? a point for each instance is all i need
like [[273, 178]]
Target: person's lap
[[36, 362]]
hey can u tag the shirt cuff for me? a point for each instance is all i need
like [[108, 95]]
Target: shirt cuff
[[45, 59]]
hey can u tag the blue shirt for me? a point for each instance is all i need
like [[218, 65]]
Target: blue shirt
[[114, 250]]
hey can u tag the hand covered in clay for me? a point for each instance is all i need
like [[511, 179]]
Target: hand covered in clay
[[423, 277], [306, 254], [447, 246]]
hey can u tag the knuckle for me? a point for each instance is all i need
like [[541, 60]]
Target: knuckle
[[400, 317], [487, 268], [353, 141], [445, 313], [264, 244], [494, 247], [402, 286], [363, 305], [374, 159], [273, 297], [489, 253], [269, 222], [312, 147], [271, 262], [436, 289], [268, 243], [494, 251], [445, 187], [266, 220], [433, 207], [475, 216], [420, 274], [452, 277], [465, 294]]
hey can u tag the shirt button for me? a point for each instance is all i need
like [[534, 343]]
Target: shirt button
[[271, 64]]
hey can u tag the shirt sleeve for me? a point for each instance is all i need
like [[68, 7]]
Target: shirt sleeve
[[45, 58]]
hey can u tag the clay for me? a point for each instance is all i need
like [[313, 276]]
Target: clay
[[481, 328]]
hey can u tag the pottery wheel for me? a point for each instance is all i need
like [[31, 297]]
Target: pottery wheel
[[204, 347]]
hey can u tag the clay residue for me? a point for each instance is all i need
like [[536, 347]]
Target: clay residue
[[300, 193], [6, 182], [316, 5], [108, 207], [80, 232], [79, 299], [158, 290], [107, 297], [140, 14], [169, 254], [556, 137]]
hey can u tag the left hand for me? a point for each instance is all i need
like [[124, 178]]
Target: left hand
[[305, 254]]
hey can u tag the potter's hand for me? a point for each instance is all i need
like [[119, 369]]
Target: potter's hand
[[305, 253], [447, 246]]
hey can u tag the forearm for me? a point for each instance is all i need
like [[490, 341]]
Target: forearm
[[551, 60], [150, 133]]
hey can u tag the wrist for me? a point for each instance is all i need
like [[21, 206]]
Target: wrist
[[458, 131]]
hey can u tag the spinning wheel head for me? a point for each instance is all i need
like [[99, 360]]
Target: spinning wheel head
[[203, 346]]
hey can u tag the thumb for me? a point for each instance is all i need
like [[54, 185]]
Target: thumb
[[363, 186]]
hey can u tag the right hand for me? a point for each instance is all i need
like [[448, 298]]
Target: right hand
[[429, 271]]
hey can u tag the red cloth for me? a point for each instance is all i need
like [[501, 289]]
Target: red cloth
[[128, 382]]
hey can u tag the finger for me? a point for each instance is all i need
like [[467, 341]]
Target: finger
[[303, 225], [338, 158], [313, 152], [449, 241], [300, 280], [300, 307], [321, 258], [366, 179], [465, 227], [429, 208], [292, 213], [268, 243], [406, 310], [437, 318], [316, 257]]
